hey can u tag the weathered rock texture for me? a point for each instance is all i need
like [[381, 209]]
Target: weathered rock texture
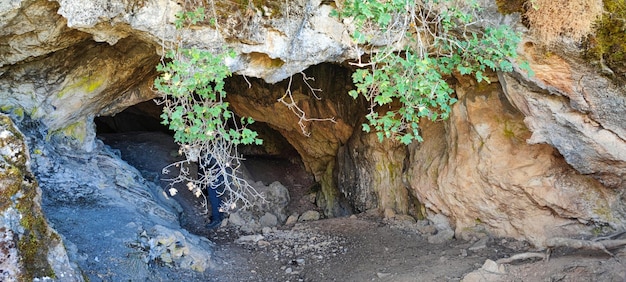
[[479, 170], [370, 173], [319, 148], [114, 222], [526, 157], [29, 248], [572, 107]]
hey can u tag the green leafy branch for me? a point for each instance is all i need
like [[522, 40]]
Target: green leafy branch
[[194, 107], [424, 43]]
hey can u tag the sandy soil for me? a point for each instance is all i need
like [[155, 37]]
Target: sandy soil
[[362, 247]]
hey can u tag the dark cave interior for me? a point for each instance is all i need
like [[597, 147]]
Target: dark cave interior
[[137, 133]]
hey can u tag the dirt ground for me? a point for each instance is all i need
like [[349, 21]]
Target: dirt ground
[[362, 247]]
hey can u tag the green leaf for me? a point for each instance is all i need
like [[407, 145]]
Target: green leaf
[[406, 139]]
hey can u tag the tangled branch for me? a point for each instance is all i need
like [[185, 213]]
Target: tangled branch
[[288, 100], [191, 85]]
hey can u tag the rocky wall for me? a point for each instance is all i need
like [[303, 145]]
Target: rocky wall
[[29, 248], [318, 142], [479, 170], [543, 157]]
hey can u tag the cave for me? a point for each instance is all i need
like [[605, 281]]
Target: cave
[[140, 139], [521, 160]]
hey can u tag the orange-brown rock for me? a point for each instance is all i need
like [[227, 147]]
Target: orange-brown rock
[[479, 170], [319, 142]]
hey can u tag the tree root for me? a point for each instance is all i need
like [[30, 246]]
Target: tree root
[[585, 244], [603, 244], [522, 256]]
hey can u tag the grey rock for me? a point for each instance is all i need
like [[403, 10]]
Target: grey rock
[[309, 216], [444, 231], [245, 239], [264, 213], [292, 219], [268, 220], [480, 244], [494, 267]]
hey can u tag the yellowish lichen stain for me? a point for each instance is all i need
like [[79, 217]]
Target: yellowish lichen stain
[[19, 193], [77, 130], [85, 85], [12, 110]]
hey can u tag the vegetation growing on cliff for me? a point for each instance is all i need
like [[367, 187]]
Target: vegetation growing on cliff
[[20, 193], [415, 47], [551, 19], [608, 43], [192, 86]]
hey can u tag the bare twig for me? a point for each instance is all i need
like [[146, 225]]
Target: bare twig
[[288, 100], [216, 150]]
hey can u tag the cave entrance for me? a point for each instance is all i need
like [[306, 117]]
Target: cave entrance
[[146, 144]]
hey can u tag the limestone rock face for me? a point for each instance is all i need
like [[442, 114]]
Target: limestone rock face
[[29, 248], [319, 148], [543, 157], [106, 211], [32, 28], [272, 41], [578, 111], [479, 170], [369, 173], [66, 94]]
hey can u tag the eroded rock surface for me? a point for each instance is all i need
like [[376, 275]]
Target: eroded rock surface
[[319, 148], [114, 222], [578, 111], [546, 156], [29, 248], [479, 170]]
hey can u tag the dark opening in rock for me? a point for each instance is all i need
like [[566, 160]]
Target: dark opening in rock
[[149, 146]]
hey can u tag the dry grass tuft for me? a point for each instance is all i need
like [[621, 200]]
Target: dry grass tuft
[[552, 19]]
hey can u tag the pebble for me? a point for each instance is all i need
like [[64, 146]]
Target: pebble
[[288, 270], [249, 238], [266, 230], [263, 243], [494, 267]]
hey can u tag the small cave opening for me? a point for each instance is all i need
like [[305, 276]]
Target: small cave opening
[[145, 143]]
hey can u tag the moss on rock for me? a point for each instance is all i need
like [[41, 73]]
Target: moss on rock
[[510, 6], [19, 192], [607, 44]]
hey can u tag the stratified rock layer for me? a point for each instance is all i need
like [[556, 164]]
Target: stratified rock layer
[[29, 248], [526, 157], [478, 169]]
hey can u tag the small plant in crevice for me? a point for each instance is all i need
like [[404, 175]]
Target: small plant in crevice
[[414, 47], [192, 88]]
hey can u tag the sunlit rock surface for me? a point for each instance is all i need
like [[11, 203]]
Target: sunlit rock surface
[[479, 170], [525, 157]]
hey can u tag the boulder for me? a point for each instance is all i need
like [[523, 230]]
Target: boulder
[[266, 212]]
